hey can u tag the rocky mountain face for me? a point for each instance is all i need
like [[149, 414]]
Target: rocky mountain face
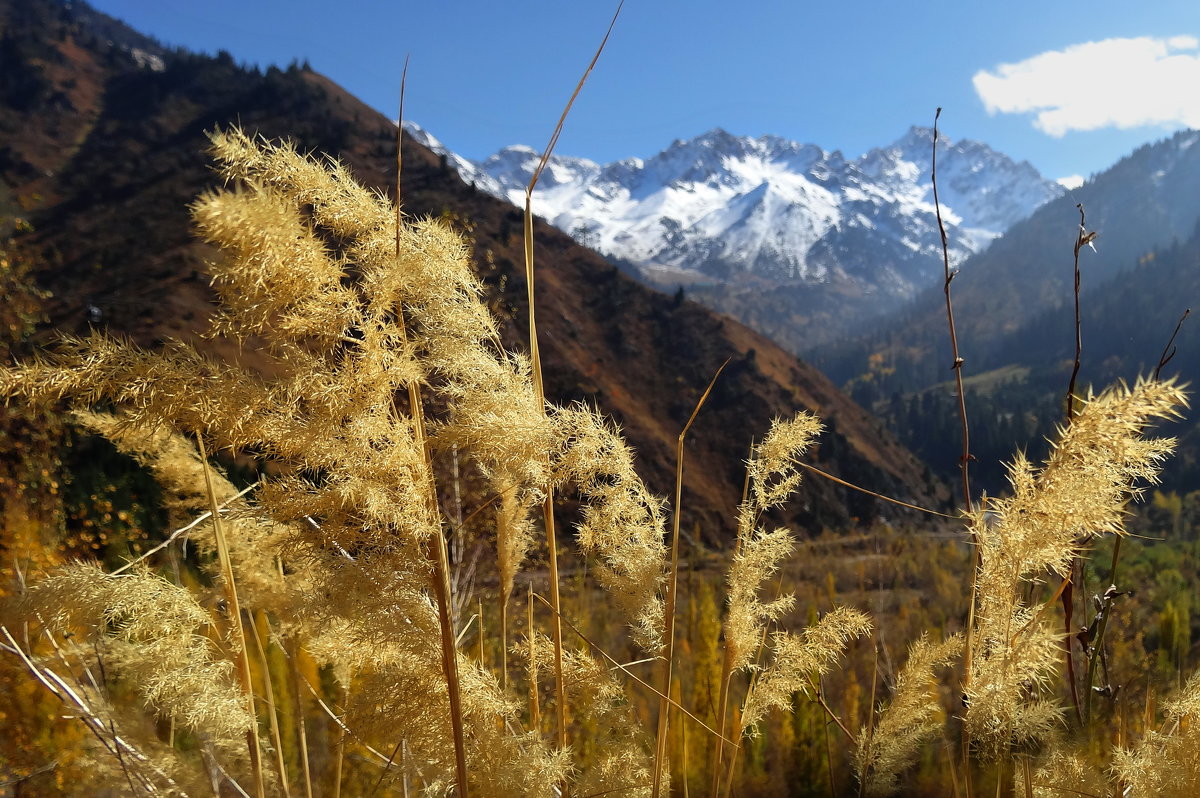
[[105, 156], [744, 221]]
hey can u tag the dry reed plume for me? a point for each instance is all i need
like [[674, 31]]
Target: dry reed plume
[[1053, 511]]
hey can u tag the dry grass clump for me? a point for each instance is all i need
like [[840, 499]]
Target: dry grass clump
[[1164, 762], [354, 311], [382, 356]]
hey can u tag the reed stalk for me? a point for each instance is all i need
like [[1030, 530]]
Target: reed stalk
[[539, 389], [339, 754], [272, 712], [440, 558], [293, 653], [504, 643], [726, 673], [722, 713], [235, 615], [828, 756], [482, 658], [535, 710], [441, 589], [660, 753]]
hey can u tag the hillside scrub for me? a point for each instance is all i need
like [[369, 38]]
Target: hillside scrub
[[323, 632]]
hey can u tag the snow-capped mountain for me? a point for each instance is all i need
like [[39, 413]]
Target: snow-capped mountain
[[800, 243], [719, 206]]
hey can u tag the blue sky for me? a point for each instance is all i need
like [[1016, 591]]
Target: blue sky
[[1071, 86]]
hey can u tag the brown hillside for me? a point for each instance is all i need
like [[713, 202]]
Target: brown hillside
[[104, 155]]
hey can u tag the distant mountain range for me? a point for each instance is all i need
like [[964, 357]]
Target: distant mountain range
[[839, 260], [737, 220]]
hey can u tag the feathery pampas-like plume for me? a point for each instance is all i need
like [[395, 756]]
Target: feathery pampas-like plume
[[622, 522], [151, 632], [800, 661], [1064, 769], [1165, 762], [1081, 491], [773, 478], [883, 752]]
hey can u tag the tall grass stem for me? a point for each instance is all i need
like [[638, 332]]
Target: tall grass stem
[[660, 753], [235, 615]]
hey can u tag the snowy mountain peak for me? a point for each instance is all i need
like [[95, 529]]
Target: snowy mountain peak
[[727, 143], [718, 138], [920, 139], [514, 166], [466, 169], [718, 205]]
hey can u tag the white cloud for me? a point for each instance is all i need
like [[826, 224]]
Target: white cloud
[[1122, 83], [1070, 181]]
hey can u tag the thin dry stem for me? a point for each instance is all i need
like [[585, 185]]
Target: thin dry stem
[[1168, 353], [1082, 238], [957, 364], [660, 754], [869, 492], [965, 458], [441, 559], [235, 615], [536, 360]]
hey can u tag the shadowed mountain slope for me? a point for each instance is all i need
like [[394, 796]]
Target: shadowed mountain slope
[[1145, 201], [1014, 310]]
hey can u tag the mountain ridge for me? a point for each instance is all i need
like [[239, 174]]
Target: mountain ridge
[[719, 158], [737, 216], [1014, 313], [1144, 201]]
